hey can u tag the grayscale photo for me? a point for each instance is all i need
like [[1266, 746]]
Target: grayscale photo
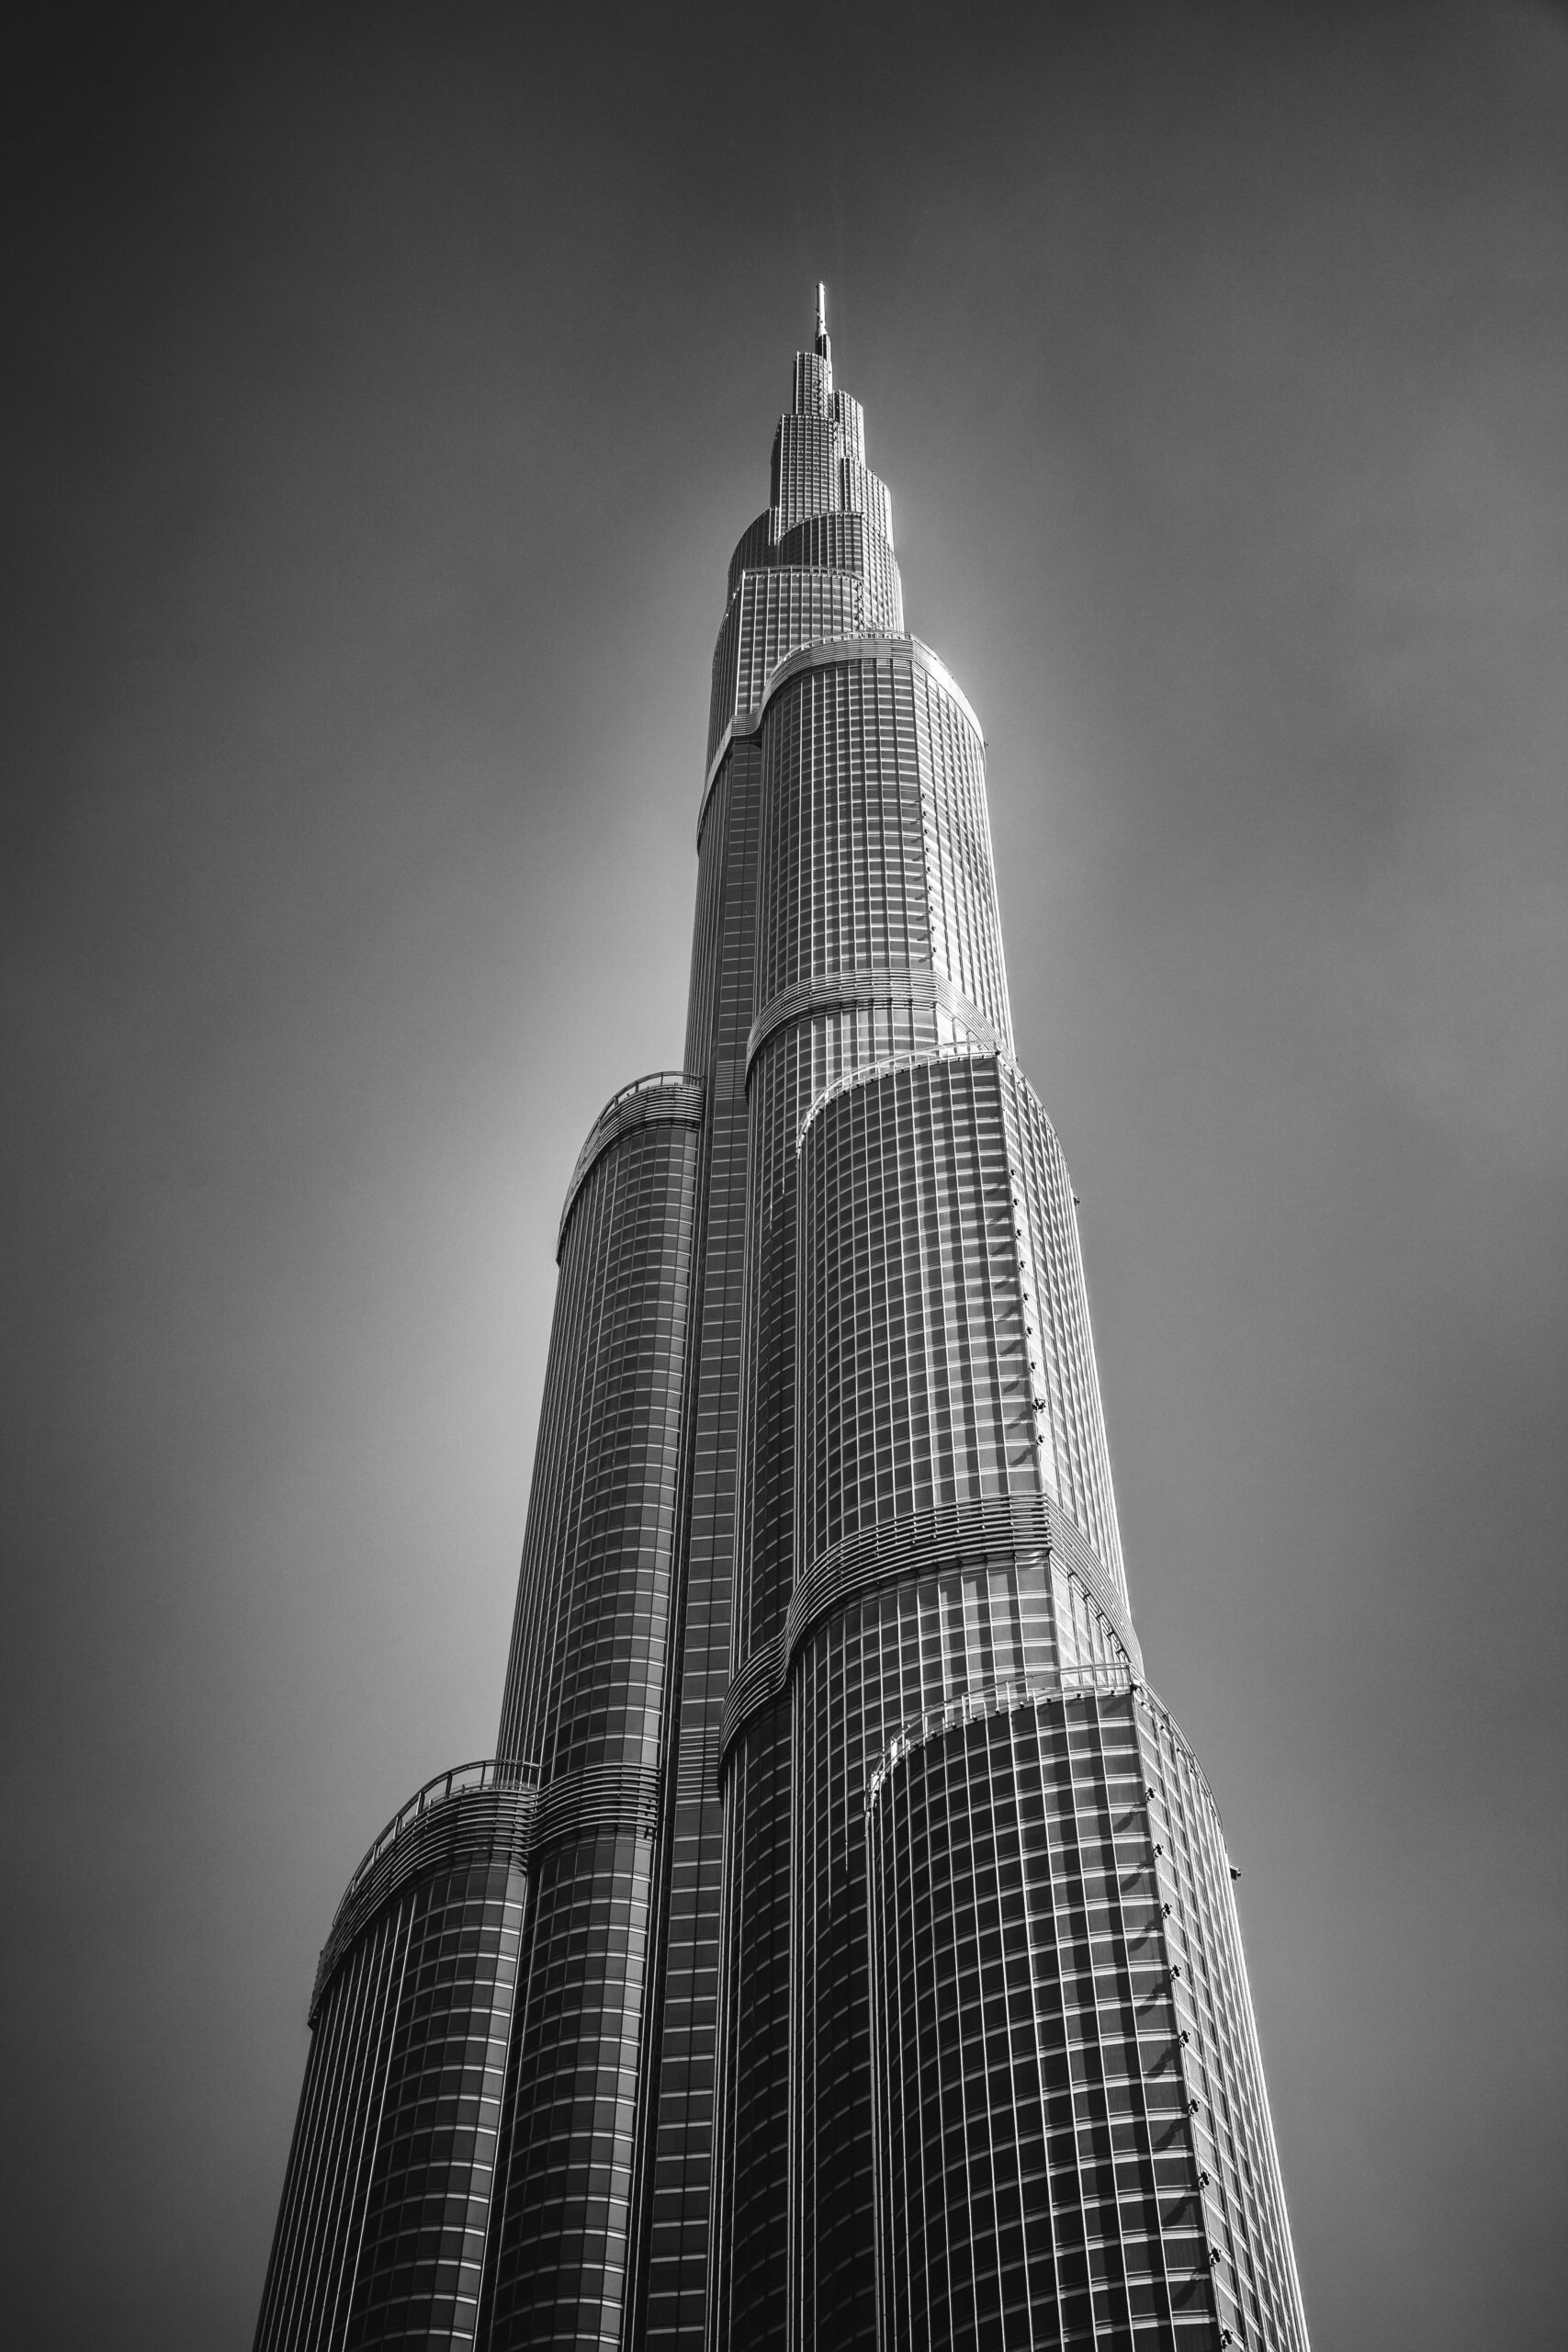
[[786, 955]]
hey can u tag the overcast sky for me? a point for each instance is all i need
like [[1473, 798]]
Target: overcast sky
[[388, 388]]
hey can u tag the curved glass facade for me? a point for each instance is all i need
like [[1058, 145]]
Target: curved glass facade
[[588, 1697], [1071, 2134], [880, 1980], [387, 2201]]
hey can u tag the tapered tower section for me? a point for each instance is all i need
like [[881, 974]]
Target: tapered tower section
[[841, 1950], [929, 1579]]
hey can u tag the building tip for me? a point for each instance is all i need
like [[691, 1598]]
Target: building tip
[[821, 320]]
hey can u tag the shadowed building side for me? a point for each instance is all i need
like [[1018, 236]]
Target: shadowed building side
[[589, 1695], [387, 2200]]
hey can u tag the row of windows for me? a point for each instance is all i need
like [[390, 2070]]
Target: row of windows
[[955, 828], [806, 452], [1034, 2216], [1072, 1421], [1256, 2278], [587, 1687], [872, 813], [811, 385], [876, 846], [566, 2168], [774, 613], [685, 2090], [812, 394], [920, 1381], [842, 880], [867, 1671], [1042, 2091], [794, 1065], [594, 1592], [388, 2188], [863, 493], [846, 542], [818, 464], [874, 783]]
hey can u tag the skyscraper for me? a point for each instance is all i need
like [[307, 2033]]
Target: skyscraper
[[840, 1947]]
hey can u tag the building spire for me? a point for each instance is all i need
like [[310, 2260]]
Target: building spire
[[824, 349]]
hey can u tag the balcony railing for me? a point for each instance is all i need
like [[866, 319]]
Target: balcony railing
[[489, 1772]]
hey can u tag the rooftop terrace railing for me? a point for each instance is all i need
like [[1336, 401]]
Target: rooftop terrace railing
[[684, 1094], [487, 1773]]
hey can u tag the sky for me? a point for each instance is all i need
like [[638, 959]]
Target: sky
[[386, 387]]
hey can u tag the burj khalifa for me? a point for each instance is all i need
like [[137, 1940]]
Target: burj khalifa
[[840, 1947]]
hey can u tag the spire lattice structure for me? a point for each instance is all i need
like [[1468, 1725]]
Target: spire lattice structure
[[841, 1950]]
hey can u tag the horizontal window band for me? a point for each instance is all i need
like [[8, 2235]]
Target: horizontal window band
[[926, 1543], [755, 1690], [1028, 1530], [671, 1095], [836, 653], [851, 991], [598, 1797]]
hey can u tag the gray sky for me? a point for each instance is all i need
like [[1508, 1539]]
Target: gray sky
[[387, 391]]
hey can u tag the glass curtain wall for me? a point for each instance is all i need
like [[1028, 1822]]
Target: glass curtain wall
[[841, 1950]]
